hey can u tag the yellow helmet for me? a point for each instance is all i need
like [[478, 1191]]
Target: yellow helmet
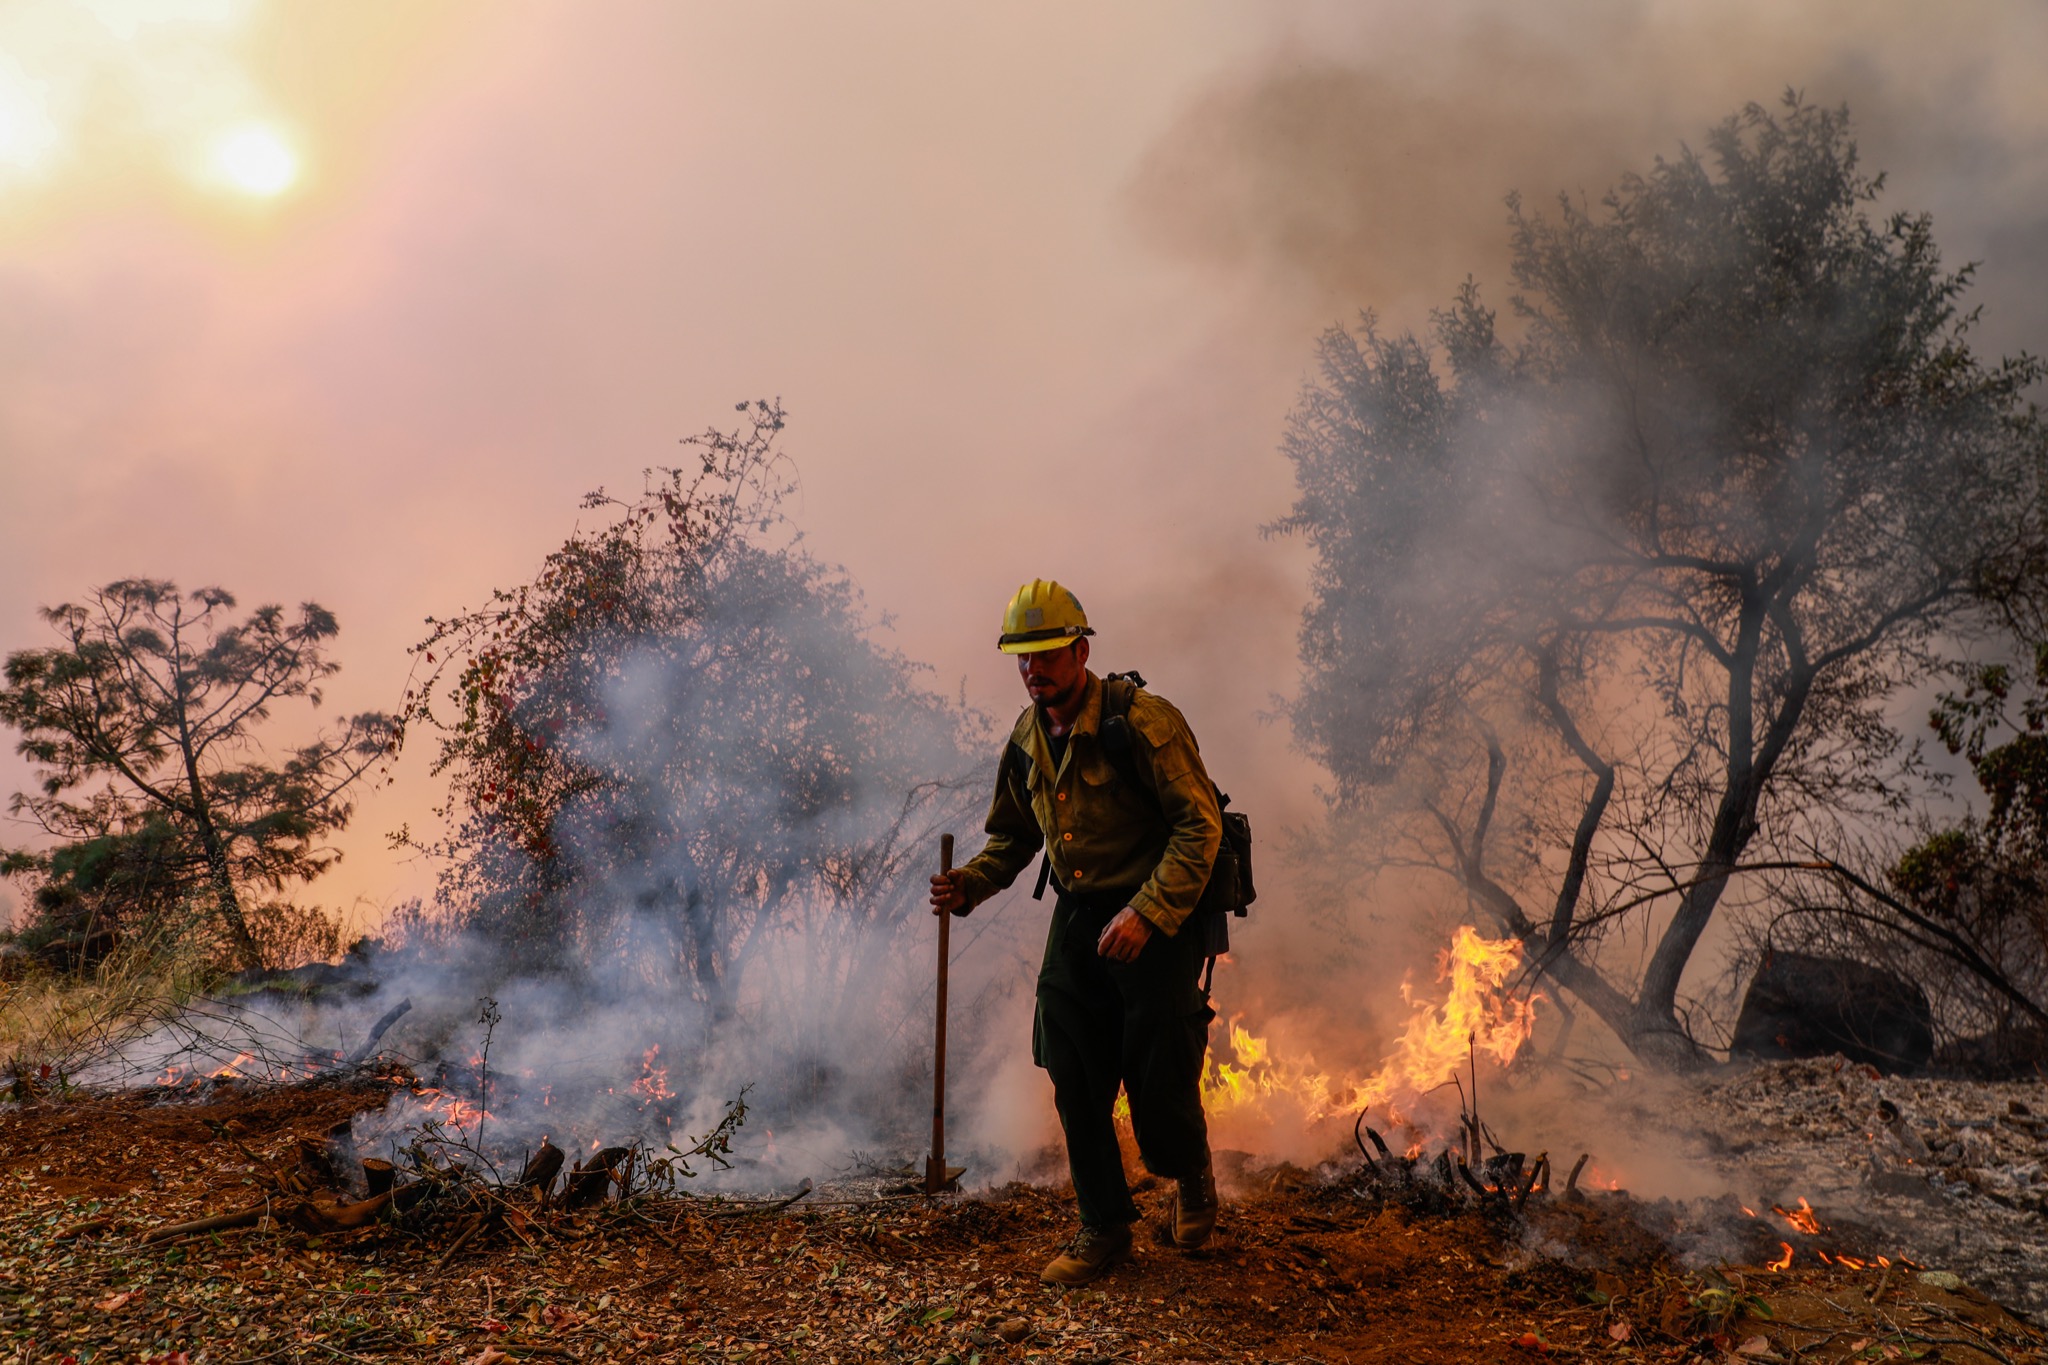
[[1043, 615]]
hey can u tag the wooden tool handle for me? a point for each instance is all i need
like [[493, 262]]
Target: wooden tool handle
[[935, 1165]]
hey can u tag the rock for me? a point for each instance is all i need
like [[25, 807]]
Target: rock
[[2013, 1054], [1940, 1279], [16, 962], [1799, 1005]]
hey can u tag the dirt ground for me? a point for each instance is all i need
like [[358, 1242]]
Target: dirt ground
[[1300, 1271]]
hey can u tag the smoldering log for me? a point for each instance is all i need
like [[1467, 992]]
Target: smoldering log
[[1486, 1193], [1528, 1186], [542, 1167], [1571, 1184], [378, 1174], [589, 1180]]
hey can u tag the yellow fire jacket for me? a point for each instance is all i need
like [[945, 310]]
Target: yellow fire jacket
[[1100, 833]]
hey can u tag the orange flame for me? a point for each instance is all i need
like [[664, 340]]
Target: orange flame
[[1803, 1219], [452, 1110], [653, 1082], [1783, 1262], [1476, 1015], [231, 1070]]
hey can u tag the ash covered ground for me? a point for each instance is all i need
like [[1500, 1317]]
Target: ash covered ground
[[1907, 1257]]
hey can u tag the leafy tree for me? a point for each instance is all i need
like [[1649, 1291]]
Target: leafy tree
[[144, 722], [1607, 612], [680, 749]]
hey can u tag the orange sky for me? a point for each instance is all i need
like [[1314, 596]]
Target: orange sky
[[1036, 281]]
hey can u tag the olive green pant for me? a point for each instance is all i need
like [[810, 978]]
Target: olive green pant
[[1141, 1025]]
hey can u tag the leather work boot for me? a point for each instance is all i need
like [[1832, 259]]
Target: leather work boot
[[1194, 1210], [1094, 1251]]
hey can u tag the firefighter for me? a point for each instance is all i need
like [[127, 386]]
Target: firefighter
[[1119, 998]]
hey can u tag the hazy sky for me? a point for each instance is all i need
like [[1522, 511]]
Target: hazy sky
[[352, 302]]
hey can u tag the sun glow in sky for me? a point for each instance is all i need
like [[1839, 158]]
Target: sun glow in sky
[[86, 85], [256, 160], [27, 135]]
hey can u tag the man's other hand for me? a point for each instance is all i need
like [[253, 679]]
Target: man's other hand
[[949, 892], [1125, 936]]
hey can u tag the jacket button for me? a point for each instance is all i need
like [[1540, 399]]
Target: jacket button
[[1068, 836], [1061, 797], [1077, 874]]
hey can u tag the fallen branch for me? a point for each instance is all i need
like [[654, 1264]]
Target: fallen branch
[[219, 1222], [462, 1238], [391, 1016], [91, 1227], [775, 1207]]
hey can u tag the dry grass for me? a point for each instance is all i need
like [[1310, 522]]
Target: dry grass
[[55, 1024]]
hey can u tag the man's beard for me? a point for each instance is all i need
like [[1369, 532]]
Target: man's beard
[[1047, 706]]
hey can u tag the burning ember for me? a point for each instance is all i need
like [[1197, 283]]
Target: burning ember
[[1804, 1219], [653, 1082], [1475, 1017]]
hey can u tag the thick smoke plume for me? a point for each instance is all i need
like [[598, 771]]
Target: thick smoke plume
[[694, 804]]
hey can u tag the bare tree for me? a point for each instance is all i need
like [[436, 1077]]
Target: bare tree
[[1608, 613]]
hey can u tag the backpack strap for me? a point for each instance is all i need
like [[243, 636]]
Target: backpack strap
[[1113, 733]]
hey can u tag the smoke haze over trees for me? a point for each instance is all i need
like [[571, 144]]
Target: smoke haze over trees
[[682, 767], [143, 724], [1610, 609]]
